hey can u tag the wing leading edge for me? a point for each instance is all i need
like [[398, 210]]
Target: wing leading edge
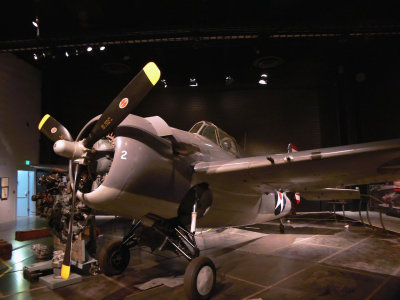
[[305, 171]]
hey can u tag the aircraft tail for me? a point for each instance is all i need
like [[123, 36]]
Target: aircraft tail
[[292, 148]]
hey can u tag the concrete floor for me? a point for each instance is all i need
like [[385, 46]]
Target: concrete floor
[[317, 258]]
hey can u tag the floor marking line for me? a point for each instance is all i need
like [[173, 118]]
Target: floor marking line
[[313, 244], [9, 268], [344, 249], [244, 280], [141, 292], [373, 293], [306, 268], [397, 271], [357, 271], [26, 291], [278, 282], [295, 242], [117, 282]]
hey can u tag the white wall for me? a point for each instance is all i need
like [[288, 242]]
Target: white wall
[[20, 100]]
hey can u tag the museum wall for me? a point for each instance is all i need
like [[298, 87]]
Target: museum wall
[[20, 97]]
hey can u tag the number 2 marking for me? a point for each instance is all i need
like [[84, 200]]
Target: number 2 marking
[[124, 153]]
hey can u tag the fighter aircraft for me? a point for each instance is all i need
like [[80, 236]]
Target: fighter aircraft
[[173, 180]]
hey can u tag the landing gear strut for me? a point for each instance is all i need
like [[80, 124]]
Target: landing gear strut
[[281, 226], [200, 274]]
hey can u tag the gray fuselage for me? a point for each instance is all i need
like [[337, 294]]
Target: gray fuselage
[[148, 176]]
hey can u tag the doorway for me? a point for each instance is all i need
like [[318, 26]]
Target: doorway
[[25, 189]]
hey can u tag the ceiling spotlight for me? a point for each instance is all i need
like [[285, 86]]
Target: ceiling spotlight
[[263, 79], [164, 82], [36, 22], [89, 49], [44, 55], [102, 48], [193, 82], [228, 80], [76, 52], [36, 25], [35, 56], [66, 54]]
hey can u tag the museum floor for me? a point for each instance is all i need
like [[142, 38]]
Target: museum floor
[[316, 258]]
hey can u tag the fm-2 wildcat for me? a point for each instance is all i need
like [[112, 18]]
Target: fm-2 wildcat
[[174, 180]]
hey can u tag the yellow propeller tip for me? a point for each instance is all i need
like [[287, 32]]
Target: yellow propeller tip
[[44, 119], [152, 72], [65, 271]]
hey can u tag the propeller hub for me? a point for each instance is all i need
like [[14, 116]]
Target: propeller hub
[[71, 150]]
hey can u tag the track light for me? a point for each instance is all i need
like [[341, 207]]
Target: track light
[[263, 79], [164, 82], [89, 49], [35, 57], [102, 48], [228, 80], [66, 54], [35, 23], [193, 82]]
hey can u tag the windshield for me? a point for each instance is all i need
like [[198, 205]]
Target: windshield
[[227, 142], [216, 135], [196, 127]]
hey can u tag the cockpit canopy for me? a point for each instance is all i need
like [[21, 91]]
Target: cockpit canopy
[[216, 135]]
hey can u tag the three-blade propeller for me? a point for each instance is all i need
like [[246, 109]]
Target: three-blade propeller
[[114, 114]]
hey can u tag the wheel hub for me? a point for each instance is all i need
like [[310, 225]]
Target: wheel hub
[[116, 258], [205, 279]]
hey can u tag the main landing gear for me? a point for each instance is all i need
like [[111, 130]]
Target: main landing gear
[[281, 226], [200, 274]]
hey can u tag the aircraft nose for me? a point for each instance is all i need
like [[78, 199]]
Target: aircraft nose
[[68, 149]]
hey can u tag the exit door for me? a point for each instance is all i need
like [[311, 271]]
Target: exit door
[[25, 190]]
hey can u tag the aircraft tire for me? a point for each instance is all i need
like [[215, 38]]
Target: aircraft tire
[[199, 279], [113, 258]]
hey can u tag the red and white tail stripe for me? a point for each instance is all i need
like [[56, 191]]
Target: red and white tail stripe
[[292, 148]]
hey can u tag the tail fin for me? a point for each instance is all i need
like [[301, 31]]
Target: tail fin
[[292, 148]]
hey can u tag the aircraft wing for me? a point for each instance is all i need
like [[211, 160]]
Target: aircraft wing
[[305, 171]]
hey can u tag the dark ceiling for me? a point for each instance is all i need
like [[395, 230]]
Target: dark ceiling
[[319, 46], [66, 25], [83, 19]]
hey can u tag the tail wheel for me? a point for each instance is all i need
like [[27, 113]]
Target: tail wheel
[[113, 258], [199, 279]]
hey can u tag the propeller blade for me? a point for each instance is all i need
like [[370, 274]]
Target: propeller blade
[[53, 129], [66, 265], [124, 103]]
